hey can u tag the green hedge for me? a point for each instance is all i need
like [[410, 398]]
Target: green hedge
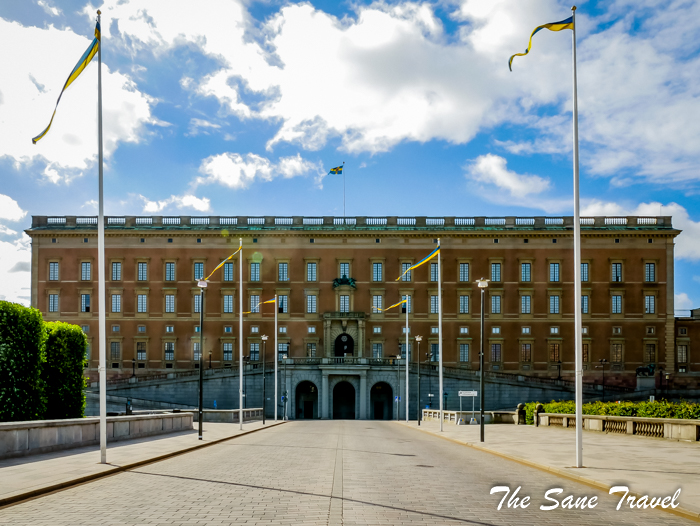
[[656, 409], [21, 359], [64, 383]]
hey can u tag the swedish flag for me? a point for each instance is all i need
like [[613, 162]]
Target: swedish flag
[[77, 70], [337, 170], [553, 26]]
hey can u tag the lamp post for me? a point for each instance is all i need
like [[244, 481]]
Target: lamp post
[[602, 361], [284, 391], [398, 382], [264, 340], [202, 284], [558, 369], [209, 359], [133, 367], [418, 411], [483, 285]]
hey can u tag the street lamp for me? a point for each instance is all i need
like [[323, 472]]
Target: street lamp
[[483, 285], [603, 362], [418, 340], [202, 284], [264, 340]]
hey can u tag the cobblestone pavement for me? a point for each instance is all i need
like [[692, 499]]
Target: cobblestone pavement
[[330, 472]]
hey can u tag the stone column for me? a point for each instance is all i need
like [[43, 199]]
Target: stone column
[[363, 396], [324, 394]]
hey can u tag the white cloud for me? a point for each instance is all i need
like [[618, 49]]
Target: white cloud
[[201, 126], [201, 204], [687, 246], [49, 9], [15, 259], [682, 302], [30, 94], [491, 169], [10, 209], [237, 171]]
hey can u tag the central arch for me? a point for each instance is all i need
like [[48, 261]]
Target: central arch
[[344, 345], [381, 402], [306, 400], [343, 401]]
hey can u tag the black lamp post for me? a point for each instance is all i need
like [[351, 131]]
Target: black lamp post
[[264, 340], [603, 362], [246, 360], [133, 367], [418, 340], [483, 285], [558, 369]]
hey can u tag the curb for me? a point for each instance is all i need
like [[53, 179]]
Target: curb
[[16, 499], [679, 511]]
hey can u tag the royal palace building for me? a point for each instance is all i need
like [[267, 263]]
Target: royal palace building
[[333, 275]]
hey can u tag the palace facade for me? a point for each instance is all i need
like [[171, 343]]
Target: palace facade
[[332, 275]]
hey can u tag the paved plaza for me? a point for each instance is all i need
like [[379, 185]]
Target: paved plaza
[[324, 472]]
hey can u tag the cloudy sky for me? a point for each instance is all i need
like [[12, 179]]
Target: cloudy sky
[[221, 107]]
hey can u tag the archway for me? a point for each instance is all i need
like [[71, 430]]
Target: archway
[[344, 345], [306, 401], [381, 402], [343, 401]]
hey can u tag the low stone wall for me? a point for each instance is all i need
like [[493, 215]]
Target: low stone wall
[[490, 417], [226, 415], [671, 428], [18, 439]]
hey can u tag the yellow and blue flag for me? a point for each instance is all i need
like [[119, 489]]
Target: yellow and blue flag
[[421, 262], [337, 170], [222, 263], [554, 26], [394, 305], [77, 70]]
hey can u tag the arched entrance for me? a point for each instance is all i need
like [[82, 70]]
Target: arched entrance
[[344, 345], [381, 402], [306, 401], [344, 401]]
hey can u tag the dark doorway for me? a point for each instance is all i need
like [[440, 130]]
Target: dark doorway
[[306, 401], [344, 401], [381, 401], [344, 345]]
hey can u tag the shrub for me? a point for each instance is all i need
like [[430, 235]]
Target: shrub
[[64, 383], [656, 409], [21, 357]]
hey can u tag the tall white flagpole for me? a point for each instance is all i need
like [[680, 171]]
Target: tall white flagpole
[[407, 358], [102, 307], [440, 333], [240, 334], [343, 191], [577, 275], [276, 357]]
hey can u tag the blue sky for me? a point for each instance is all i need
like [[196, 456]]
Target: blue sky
[[221, 107]]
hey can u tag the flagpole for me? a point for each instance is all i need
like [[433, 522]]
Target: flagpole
[[343, 191], [407, 357], [240, 335], [102, 307], [577, 274], [440, 334], [276, 357]]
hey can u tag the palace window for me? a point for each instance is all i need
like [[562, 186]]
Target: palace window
[[228, 351], [649, 272], [345, 270], [554, 272], [228, 303], [85, 303], [495, 272], [464, 304], [525, 304], [434, 304], [616, 353], [254, 352], [464, 272], [283, 272], [170, 303], [526, 352], [433, 272], [525, 272], [376, 272], [584, 271], [554, 304], [141, 303], [495, 304], [463, 352], [116, 302], [53, 302], [170, 271], [584, 304], [169, 351], [649, 304], [554, 355], [376, 350], [141, 351], [344, 303], [617, 304], [255, 303], [405, 273], [617, 272], [311, 304], [311, 272], [228, 271], [496, 352], [198, 271], [143, 271], [255, 272], [53, 271]]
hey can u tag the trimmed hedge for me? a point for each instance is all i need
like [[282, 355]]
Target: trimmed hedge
[[64, 383], [656, 409], [21, 358]]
